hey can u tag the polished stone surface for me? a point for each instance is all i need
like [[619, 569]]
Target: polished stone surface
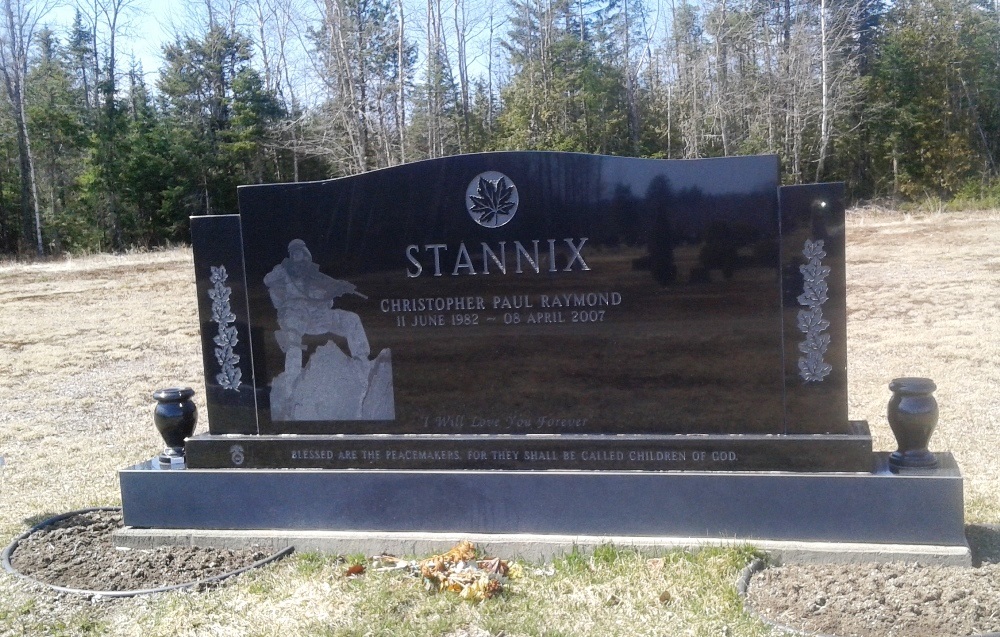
[[538, 452], [621, 296], [532, 293], [876, 507], [812, 216], [224, 318]]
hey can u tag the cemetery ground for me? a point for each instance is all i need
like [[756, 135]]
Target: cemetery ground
[[85, 341]]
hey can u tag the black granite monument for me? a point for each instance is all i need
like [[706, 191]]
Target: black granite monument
[[547, 325], [530, 311]]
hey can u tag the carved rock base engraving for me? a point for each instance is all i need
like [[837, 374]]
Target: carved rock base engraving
[[334, 386]]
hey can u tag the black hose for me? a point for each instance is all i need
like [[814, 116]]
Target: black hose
[[7, 552]]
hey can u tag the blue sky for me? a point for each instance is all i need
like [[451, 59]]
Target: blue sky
[[147, 28]]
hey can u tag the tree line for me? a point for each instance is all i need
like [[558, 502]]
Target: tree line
[[896, 98]]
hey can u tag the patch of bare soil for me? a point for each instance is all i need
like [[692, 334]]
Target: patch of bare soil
[[77, 553], [885, 599], [845, 600]]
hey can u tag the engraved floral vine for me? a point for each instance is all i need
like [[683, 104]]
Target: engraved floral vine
[[230, 377], [812, 367]]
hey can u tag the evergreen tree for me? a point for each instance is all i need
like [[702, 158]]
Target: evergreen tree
[[922, 116], [255, 112], [57, 118], [150, 171], [197, 88], [563, 95]]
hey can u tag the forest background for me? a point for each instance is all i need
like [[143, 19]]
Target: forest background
[[898, 98]]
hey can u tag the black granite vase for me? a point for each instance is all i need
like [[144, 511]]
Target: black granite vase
[[175, 416], [913, 414]]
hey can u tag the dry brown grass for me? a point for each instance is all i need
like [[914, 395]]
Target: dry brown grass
[[922, 301], [84, 342]]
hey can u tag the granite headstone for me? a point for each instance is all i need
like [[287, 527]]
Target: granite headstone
[[542, 347], [529, 311]]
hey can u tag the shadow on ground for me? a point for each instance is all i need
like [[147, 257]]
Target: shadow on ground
[[984, 541], [33, 520]]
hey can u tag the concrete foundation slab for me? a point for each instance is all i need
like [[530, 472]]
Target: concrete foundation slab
[[533, 548]]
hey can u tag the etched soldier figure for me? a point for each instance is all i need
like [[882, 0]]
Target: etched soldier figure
[[333, 384], [303, 297]]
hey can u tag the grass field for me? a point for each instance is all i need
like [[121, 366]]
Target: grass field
[[83, 342]]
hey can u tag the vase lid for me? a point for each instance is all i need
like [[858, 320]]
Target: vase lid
[[912, 385], [173, 394]]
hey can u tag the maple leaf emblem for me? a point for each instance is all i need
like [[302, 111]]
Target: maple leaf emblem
[[493, 202]]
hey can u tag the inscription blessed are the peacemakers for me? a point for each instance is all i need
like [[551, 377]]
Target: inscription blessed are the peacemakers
[[563, 457]]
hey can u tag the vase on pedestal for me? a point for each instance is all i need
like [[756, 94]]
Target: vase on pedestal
[[913, 415], [175, 417]]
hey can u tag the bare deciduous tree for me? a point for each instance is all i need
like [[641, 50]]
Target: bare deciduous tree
[[21, 20]]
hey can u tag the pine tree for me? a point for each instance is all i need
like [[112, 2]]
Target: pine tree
[[197, 86], [922, 116], [57, 118]]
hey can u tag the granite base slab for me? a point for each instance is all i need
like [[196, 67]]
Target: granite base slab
[[539, 452], [876, 507]]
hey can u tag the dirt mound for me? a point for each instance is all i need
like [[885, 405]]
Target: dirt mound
[[880, 599], [77, 553]]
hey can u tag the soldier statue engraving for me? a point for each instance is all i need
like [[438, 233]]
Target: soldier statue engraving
[[304, 299], [333, 385]]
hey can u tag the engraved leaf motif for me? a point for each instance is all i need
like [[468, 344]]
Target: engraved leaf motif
[[814, 296], [815, 346], [227, 337], [814, 250], [811, 321], [219, 274], [226, 357], [220, 294], [813, 369], [222, 315], [815, 287], [484, 193], [492, 199], [814, 271], [815, 290], [229, 377]]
